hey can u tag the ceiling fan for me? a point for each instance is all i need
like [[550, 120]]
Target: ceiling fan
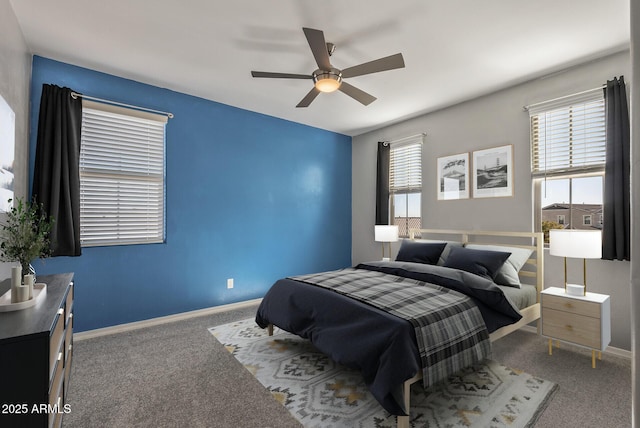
[[328, 78]]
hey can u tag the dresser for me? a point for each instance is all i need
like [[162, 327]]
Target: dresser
[[581, 320], [36, 348]]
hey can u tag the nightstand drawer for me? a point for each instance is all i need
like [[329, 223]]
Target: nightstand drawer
[[578, 329], [574, 306]]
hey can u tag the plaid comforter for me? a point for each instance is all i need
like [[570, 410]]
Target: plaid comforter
[[450, 331]]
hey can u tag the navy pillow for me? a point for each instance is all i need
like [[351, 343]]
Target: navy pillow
[[420, 252], [480, 262]]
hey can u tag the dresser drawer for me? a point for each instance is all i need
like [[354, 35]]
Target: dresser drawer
[[578, 329], [69, 303], [68, 339], [56, 339], [574, 306], [55, 392], [67, 372]]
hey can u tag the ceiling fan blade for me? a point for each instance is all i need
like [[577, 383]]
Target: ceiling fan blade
[[357, 94], [383, 64], [318, 47], [280, 75], [313, 93]]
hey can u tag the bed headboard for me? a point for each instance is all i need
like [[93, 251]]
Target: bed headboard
[[534, 267]]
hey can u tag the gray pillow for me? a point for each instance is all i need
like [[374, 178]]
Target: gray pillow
[[447, 249], [508, 273]]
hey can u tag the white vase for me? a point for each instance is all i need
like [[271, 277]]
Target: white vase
[[28, 281], [22, 294], [16, 281]]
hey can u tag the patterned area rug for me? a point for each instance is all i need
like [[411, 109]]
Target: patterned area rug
[[321, 393]]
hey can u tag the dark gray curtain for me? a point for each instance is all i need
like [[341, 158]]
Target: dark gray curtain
[[617, 194], [382, 183], [56, 178]]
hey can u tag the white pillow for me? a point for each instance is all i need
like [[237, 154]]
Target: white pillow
[[508, 273]]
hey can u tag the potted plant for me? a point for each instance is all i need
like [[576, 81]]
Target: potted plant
[[25, 234]]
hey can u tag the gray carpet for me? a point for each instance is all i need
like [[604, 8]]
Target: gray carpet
[[177, 375], [173, 375]]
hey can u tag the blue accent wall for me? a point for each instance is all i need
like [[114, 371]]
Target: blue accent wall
[[248, 196]]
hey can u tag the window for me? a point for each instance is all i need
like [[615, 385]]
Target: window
[[122, 185], [405, 184], [567, 161]]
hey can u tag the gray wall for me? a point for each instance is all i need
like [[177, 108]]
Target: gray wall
[[489, 121], [15, 76]]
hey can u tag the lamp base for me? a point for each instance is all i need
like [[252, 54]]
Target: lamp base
[[575, 290]]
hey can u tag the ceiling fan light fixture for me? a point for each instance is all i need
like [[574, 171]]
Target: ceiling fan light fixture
[[327, 81]]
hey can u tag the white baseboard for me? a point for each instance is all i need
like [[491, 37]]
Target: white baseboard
[[89, 334], [618, 352]]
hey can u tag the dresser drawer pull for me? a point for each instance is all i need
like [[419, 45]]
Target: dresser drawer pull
[[59, 356], [71, 315], [568, 305], [60, 311], [569, 327]]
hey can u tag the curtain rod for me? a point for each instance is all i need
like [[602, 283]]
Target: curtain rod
[[410, 137], [526, 108], [75, 95]]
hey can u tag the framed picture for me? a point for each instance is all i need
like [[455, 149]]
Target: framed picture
[[7, 153], [493, 172], [453, 177]]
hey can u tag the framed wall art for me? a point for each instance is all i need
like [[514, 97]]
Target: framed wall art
[[453, 177], [493, 172], [7, 153]]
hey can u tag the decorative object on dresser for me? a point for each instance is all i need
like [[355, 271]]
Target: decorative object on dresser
[[36, 348], [25, 237], [576, 243], [582, 320], [386, 234]]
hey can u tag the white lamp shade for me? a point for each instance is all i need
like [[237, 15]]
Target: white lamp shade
[[386, 233], [582, 244]]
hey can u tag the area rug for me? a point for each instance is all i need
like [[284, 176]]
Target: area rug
[[321, 393]]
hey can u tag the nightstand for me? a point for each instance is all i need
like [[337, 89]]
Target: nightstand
[[581, 320]]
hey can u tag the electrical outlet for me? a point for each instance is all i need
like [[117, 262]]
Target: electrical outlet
[[230, 283]]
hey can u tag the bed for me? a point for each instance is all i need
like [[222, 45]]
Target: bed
[[415, 319]]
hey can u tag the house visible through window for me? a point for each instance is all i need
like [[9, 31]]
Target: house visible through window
[[405, 185], [567, 161], [122, 181]]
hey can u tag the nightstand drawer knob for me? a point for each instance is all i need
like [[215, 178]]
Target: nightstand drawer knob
[[568, 305], [569, 327]]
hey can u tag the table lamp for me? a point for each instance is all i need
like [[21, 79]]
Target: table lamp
[[575, 243], [387, 234]]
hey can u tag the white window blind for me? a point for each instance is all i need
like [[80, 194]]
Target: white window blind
[[405, 168], [568, 137], [122, 164]]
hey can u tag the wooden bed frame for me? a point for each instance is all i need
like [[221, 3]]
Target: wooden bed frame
[[532, 273]]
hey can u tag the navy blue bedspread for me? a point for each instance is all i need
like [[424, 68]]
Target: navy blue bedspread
[[380, 345]]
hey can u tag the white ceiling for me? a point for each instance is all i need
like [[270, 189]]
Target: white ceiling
[[454, 50]]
